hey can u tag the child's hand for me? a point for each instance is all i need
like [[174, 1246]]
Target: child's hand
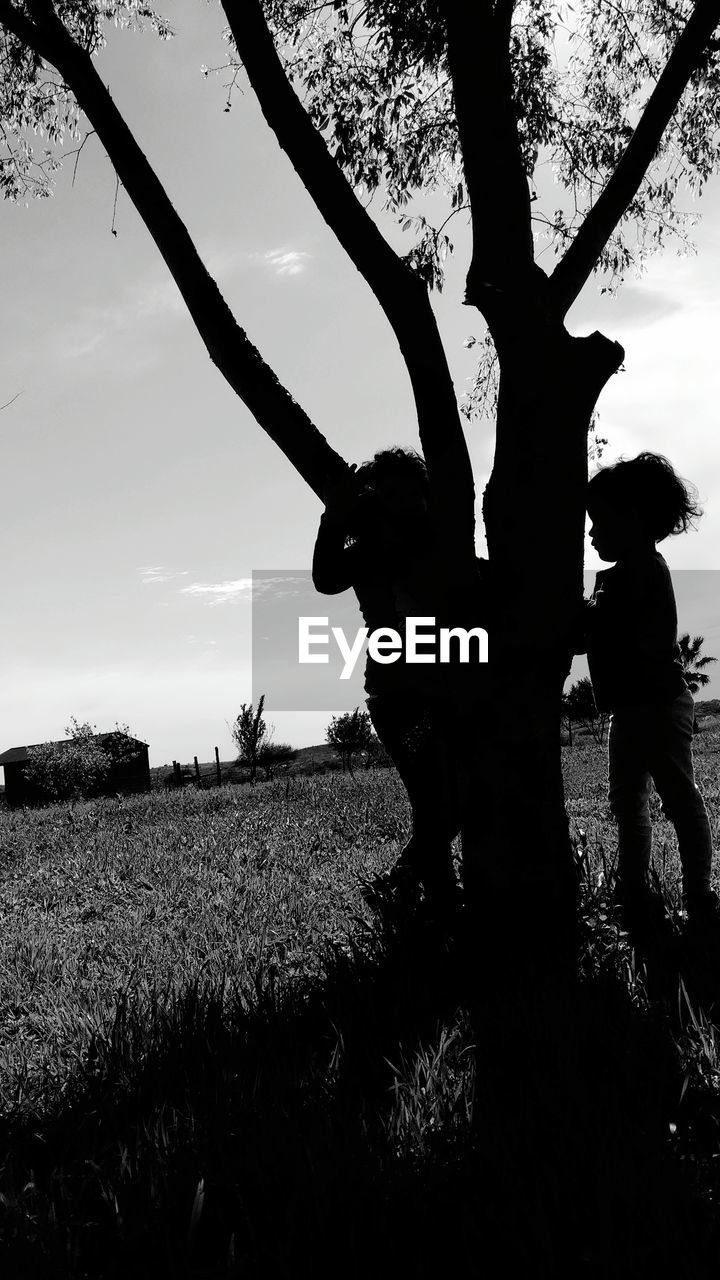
[[340, 497]]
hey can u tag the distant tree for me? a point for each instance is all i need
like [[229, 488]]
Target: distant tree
[[348, 734], [693, 664], [274, 756], [694, 661], [250, 734], [579, 704]]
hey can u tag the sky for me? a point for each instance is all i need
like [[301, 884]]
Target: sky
[[139, 495]]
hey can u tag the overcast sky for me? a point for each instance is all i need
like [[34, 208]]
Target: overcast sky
[[138, 494]]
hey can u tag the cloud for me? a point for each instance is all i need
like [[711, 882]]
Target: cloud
[[160, 573], [638, 305], [286, 262], [274, 585], [159, 298], [279, 585], [664, 293], [96, 326], [215, 593], [666, 399], [223, 261]]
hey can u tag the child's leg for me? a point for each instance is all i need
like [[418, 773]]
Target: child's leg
[[672, 770], [412, 733], [629, 790]]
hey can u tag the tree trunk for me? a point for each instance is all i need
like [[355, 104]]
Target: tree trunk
[[516, 849]]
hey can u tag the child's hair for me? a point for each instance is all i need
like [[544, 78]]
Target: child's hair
[[650, 486], [394, 464]]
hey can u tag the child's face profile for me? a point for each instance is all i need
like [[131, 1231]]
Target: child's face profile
[[614, 533], [403, 499]]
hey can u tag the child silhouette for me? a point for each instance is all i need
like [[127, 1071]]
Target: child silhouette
[[377, 536], [630, 625]]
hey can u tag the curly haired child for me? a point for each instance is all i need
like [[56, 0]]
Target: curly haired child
[[377, 535], [631, 645]]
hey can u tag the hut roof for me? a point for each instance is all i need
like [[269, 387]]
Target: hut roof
[[19, 755]]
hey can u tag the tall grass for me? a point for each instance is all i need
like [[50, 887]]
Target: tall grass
[[215, 1062]]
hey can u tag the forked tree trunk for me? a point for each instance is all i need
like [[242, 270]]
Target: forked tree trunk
[[517, 855]]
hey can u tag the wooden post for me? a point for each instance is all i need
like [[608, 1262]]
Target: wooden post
[[178, 770], [217, 766], [197, 768]]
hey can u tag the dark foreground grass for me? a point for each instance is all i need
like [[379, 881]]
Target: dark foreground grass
[[235, 1072]]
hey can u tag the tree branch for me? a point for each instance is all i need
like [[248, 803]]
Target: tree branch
[[576, 266], [388, 277], [227, 344], [401, 294], [479, 60]]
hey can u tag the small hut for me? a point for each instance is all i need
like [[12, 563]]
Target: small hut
[[129, 767]]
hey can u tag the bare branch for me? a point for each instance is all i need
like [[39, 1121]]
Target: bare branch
[[580, 258], [401, 294], [227, 344], [113, 230], [306, 148], [77, 152], [9, 402]]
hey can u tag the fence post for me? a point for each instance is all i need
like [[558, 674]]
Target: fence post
[[217, 765], [197, 768]]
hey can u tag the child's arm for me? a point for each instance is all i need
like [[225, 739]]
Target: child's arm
[[585, 620], [628, 607], [332, 569]]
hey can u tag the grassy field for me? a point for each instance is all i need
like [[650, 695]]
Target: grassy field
[[215, 1062]]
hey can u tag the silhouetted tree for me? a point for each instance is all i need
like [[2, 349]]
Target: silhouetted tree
[[580, 707], [475, 101], [250, 735], [694, 661], [348, 734]]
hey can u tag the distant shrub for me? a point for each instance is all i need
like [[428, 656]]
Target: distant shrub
[[274, 757], [78, 768], [349, 734], [579, 707], [67, 770], [376, 754]]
